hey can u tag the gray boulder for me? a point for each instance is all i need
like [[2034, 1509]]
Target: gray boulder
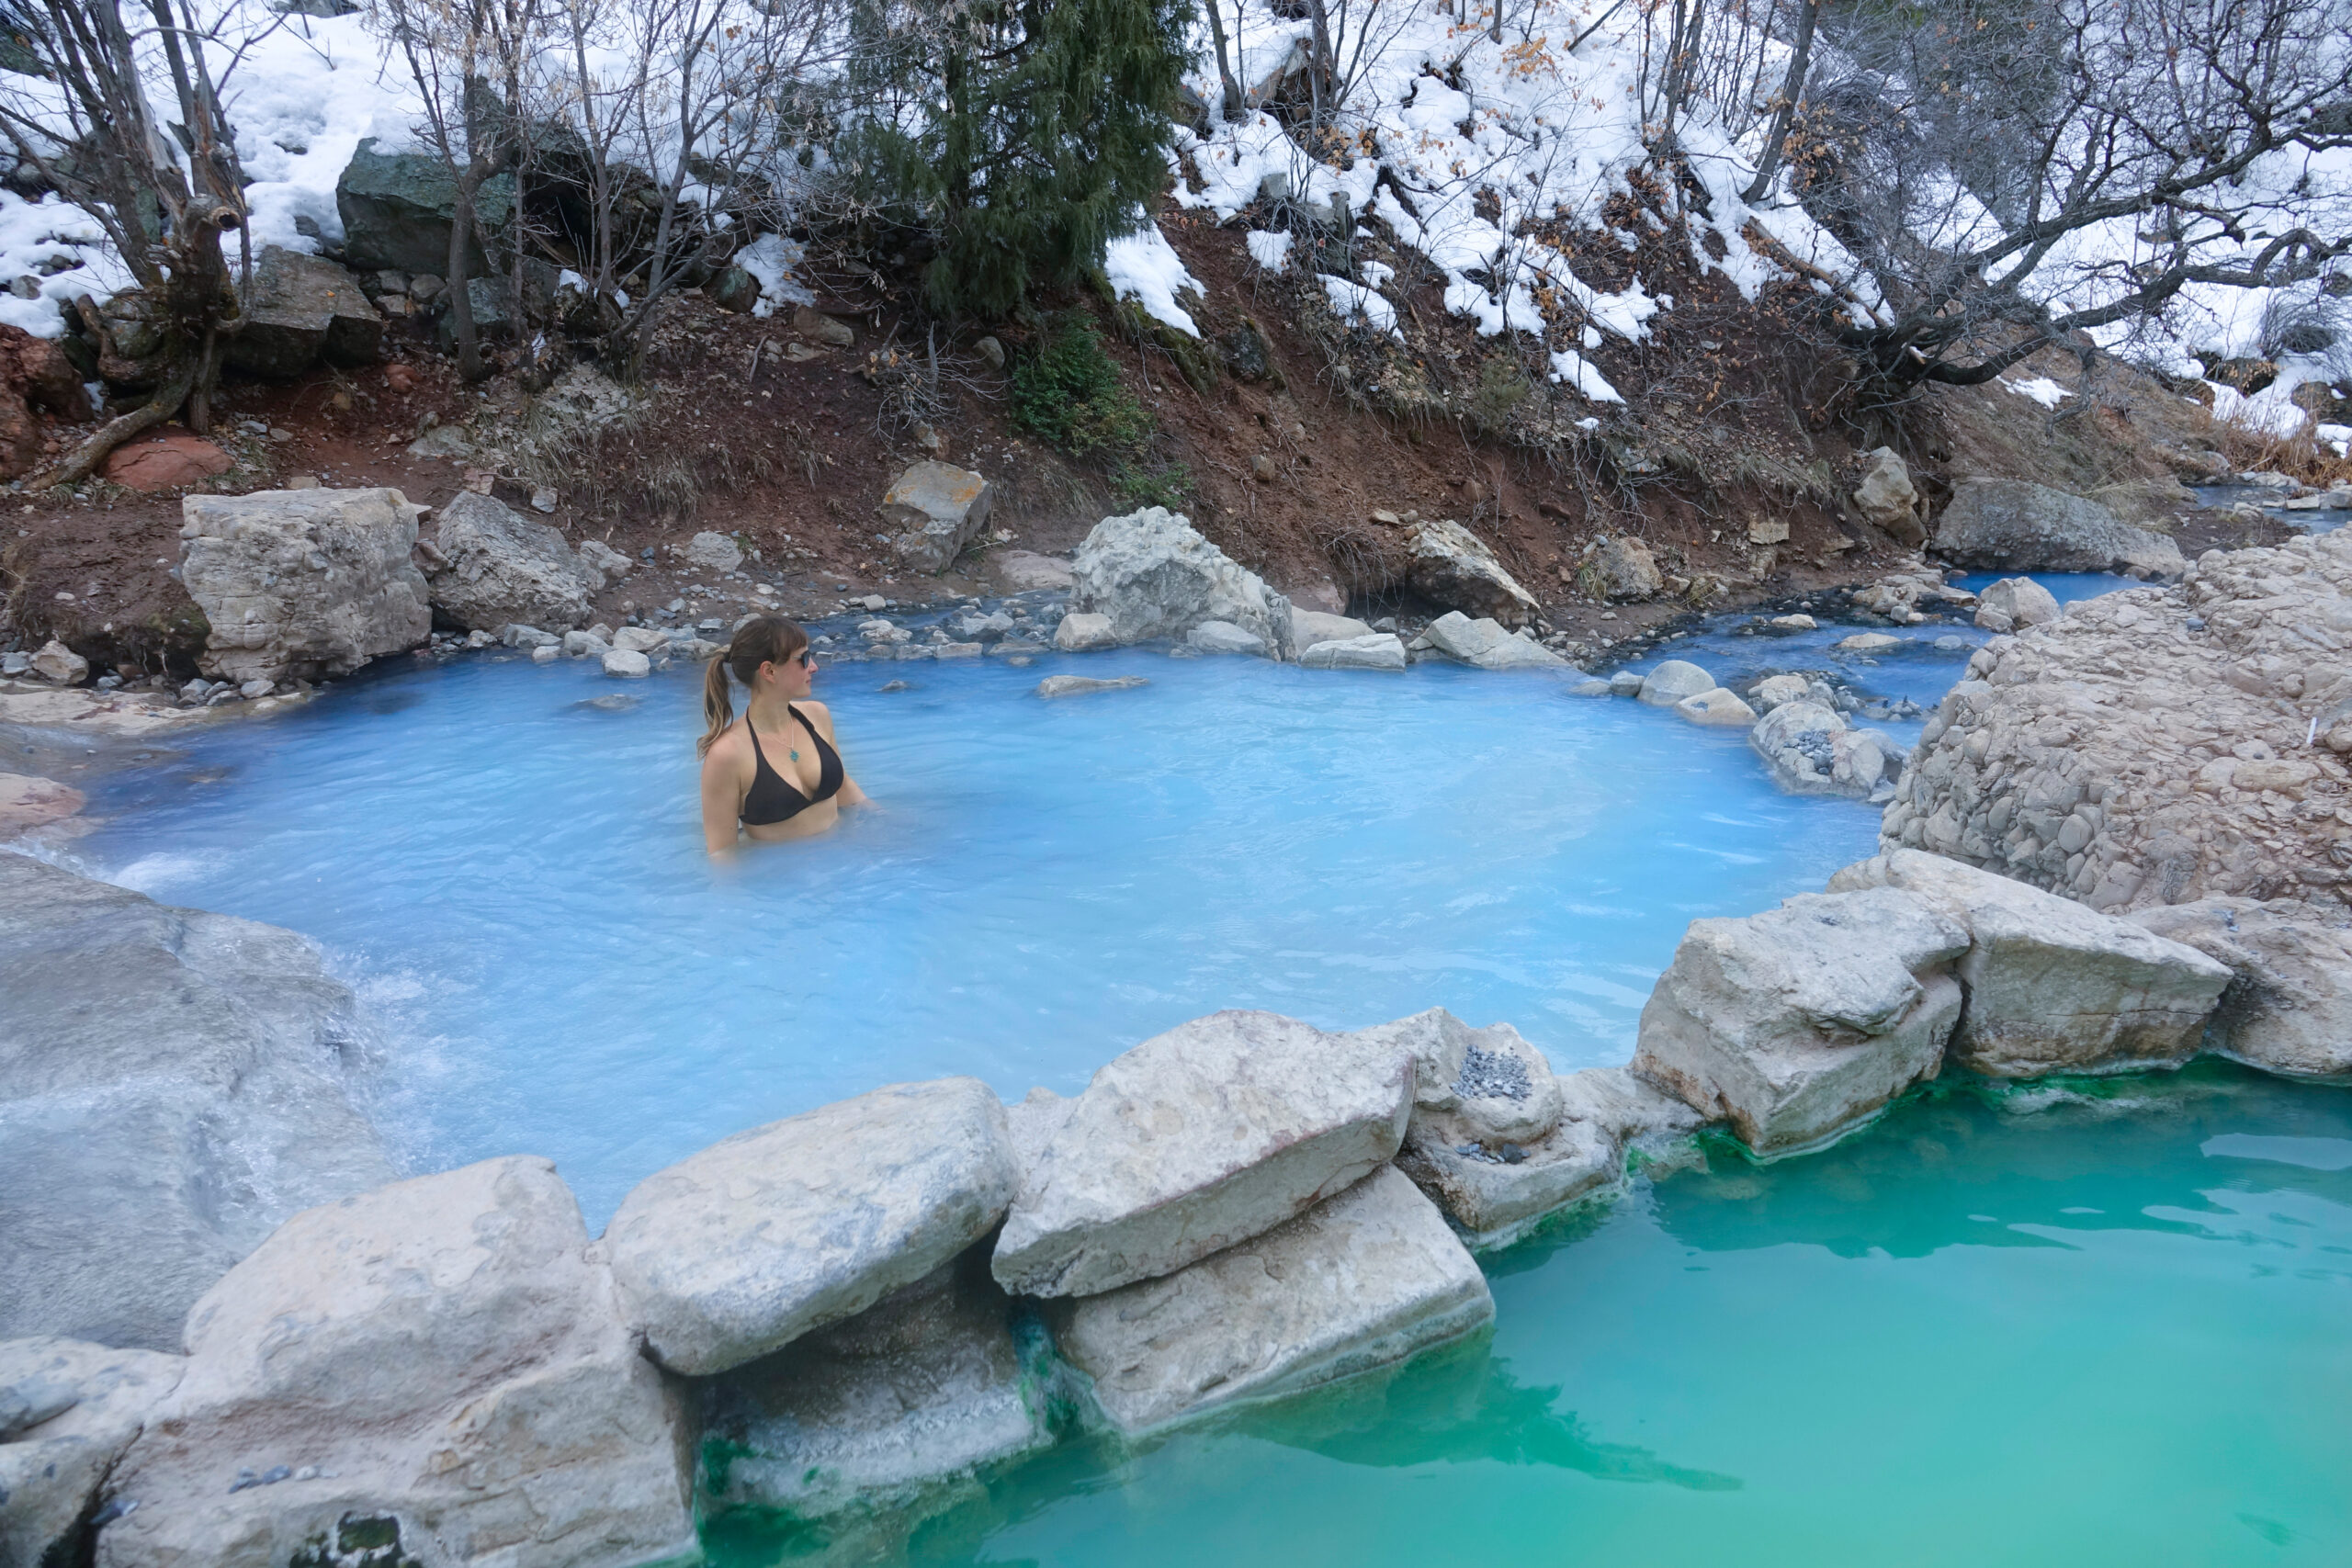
[[1777, 691], [1798, 1023], [1717, 705], [1361, 1281], [1674, 680], [1086, 633], [398, 209], [436, 1371], [1451, 567], [172, 1084], [57, 663], [714, 552], [936, 509], [1154, 576], [1197, 1139], [1020, 572], [1886, 498], [1311, 626], [1809, 749], [1381, 650], [2016, 602], [304, 308], [1627, 570], [2054, 986], [2287, 1008], [2012, 525], [1485, 643], [302, 583], [625, 665], [68, 1411], [493, 565], [885, 1411], [768, 1234], [1224, 636]]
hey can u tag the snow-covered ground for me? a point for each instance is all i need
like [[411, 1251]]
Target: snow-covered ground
[[1459, 145]]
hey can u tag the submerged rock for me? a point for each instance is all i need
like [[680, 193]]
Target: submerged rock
[[884, 1410], [1195, 1140], [1365, 1279], [738, 1250], [303, 583], [172, 1084], [436, 1371], [1154, 576], [2013, 525], [1799, 1022], [2287, 1008], [69, 1409], [1080, 685], [2053, 986]]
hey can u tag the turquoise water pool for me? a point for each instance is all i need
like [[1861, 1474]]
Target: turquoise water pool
[[2106, 1326]]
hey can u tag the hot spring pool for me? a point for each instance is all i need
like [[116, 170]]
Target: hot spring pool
[[2104, 1329], [2067, 1325]]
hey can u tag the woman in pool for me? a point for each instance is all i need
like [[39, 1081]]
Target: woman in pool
[[776, 774]]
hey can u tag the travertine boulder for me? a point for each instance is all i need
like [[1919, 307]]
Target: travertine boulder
[[494, 567], [738, 1250], [438, 1371], [2053, 986], [1198, 1139], [1485, 644], [1362, 1280], [1451, 567], [1154, 576], [1809, 749], [2016, 602], [1380, 650], [1886, 498], [172, 1084], [1673, 681], [2156, 746], [1798, 1023], [933, 511], [68, 1410], [2287, 1008], [2014, 526], [883, 1410], [302, 583]]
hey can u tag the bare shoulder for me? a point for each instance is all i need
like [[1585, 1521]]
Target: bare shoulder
[[819, 713], [729, 753]]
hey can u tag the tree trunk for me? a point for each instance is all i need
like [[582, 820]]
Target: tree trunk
[[1231, 108], [84, 460], [1785, 108], [471, 366]]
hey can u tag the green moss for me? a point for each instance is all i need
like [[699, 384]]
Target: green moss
[[1067, 391]]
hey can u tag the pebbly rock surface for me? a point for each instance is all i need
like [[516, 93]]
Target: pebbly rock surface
[[744, 1247], [2156, 746], [2287, 1008], [493, 567], [2053, 986], [1450, 566], [1366, 1277], [1197, 1140], [437, 1369], [69, 1409], [2016, 526], [172, 1084], [1485, 644], [883, 1411], [1802, 1021], [1153, 575], [1809, 749], [303, 583]]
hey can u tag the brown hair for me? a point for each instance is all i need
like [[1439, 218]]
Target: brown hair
[[762, 639]]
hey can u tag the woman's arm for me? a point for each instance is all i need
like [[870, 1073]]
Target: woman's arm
[[722, 801]]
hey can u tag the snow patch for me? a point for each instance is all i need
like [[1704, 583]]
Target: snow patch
[[1145, 268], [1351, 300], [1268, 248], [2040, 388]]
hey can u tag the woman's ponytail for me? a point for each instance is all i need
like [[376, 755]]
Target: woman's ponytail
[[762, 640]]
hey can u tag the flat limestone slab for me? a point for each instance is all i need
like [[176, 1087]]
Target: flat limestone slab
[[1796, 1024], [1197, 1140], [1363, 1279], [739, 1249], [2052, 985]]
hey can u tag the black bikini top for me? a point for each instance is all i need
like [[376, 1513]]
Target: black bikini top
[[770, 799]]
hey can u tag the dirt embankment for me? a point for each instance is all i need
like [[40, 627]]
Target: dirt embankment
[[1281, 431]]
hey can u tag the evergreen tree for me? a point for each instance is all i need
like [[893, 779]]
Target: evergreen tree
[[1020, 136]]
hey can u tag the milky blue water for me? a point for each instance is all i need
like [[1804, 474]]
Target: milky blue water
[[2098, 1331]]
